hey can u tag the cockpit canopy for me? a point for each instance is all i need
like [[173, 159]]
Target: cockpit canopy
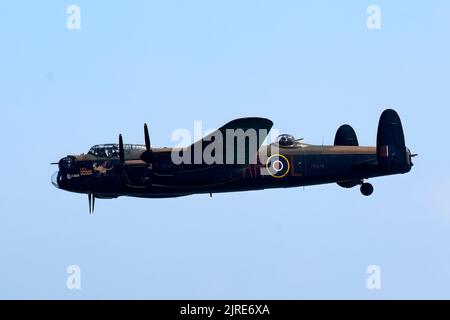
[[112, 150], [286, 140]]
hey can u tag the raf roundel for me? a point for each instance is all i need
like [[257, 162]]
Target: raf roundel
[[278, 166]]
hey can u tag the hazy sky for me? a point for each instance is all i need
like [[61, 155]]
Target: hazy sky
[[308, 67]]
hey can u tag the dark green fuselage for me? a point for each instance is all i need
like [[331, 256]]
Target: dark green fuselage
[[300, 165]]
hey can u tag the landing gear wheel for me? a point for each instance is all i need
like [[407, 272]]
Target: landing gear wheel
[[366, 189]]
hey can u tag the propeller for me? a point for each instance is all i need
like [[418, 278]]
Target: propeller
[[121, 166], [147, 156], [121, 152], [147, 137]]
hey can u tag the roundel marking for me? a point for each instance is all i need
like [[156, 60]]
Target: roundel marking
[[278, 166]]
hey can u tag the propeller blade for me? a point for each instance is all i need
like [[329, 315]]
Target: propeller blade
[[90, 202], [121, 152], [93, 203], [147, 155], [147, 137]]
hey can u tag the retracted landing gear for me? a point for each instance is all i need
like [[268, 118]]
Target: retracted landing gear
[[366, 189]]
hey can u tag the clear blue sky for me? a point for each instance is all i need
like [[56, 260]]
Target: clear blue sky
[[309, 67]]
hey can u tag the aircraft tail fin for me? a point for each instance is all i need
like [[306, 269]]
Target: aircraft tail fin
[[345, 136], [392, 153]]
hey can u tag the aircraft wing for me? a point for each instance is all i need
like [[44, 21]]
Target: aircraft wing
[[237, 142]]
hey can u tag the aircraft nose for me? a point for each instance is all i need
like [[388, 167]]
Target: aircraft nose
[[55, 179], [67, 162]]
